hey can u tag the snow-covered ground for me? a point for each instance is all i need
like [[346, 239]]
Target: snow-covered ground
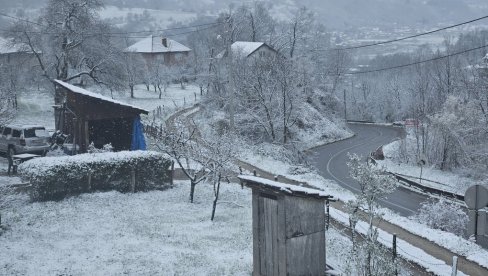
[[154, 233]]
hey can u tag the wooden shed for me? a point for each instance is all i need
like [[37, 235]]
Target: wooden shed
[[91, 117], [288, 228]]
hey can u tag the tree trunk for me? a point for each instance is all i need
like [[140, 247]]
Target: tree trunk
[[216, 198], [192, 190]]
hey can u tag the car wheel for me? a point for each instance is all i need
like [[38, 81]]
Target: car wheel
[[11, 151]]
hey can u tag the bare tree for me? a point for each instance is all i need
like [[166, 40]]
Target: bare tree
[[221, 152], [70, 43], [180, 143], [374, 185]]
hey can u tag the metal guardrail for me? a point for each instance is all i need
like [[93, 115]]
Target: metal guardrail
[[421, 187], [426, 189]]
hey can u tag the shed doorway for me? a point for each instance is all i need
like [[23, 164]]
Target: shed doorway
[[115, 131]]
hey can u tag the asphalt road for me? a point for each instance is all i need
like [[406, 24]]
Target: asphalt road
[[331, 161]]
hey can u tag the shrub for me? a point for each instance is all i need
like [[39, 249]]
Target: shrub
[[54, 178], [443, 215]]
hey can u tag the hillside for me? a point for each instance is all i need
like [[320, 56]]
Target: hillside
[[335, 14]]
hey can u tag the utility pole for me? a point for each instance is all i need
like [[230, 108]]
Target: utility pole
[[230, 75], [345, 106]]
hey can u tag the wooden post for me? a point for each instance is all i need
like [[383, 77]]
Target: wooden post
[[133, 180], [327, 203], [395, 251], [454, 265], [89, 181], [172, 173]]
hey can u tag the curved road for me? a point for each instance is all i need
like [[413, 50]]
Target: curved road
[[331, 161]]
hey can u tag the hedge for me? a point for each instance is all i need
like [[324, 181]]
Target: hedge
[[54, 178]]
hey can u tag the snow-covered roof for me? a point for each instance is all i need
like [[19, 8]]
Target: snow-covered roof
[[8, 47], [282, 187], [79, 90], [244, 48], [157, 44]]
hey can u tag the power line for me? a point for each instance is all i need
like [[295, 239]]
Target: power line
[[21, 19], [119, 35], [111, 33], [417, 62], [407, 37]]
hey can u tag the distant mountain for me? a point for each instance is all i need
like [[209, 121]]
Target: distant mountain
[[335, 14], [381, 13]]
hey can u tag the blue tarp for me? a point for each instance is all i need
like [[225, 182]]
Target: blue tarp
[[138, 141]]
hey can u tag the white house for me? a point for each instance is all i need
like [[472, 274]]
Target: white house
[[15, 53], [246, 49], [160, 49]]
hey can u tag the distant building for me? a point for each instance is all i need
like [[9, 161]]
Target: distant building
[[247, 49], [482, 68], [15, 53], [159, 49]]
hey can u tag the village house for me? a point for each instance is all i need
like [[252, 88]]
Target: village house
[[16, 53], [247, 49], [159, 49]]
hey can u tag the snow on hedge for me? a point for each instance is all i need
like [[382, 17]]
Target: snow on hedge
[[54, 178], [44, 164]]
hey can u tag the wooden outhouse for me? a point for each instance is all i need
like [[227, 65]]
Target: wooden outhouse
[[288, 228], [93, 118]]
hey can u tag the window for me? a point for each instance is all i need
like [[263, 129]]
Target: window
[[16, 133], [35, 132], [7, 131]]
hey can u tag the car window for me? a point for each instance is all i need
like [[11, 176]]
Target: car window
[[16, 133], [35, 132], [6, 131]]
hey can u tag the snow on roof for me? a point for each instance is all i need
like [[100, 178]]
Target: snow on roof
[[7, 46], [82, 91], [243, 48], [24, 126], [154, 44], [286, 188]]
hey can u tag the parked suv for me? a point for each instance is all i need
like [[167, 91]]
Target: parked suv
[[15, 139]]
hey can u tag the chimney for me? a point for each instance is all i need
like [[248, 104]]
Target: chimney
[[164, 40]]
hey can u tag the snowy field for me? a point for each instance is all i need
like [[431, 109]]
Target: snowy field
[[154, 233]]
